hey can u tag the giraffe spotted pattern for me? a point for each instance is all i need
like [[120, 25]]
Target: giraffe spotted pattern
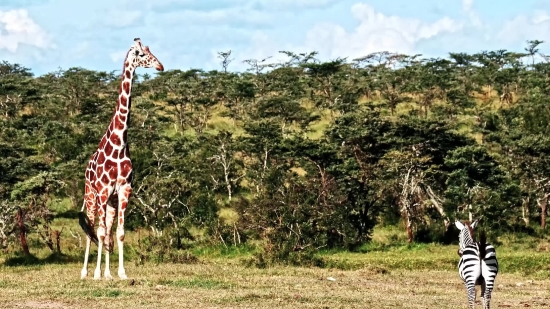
[[109, 171]]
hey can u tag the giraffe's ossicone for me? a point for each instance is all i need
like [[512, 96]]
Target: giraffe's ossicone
[[109, 172]]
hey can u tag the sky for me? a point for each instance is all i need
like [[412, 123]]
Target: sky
[[47, 35]]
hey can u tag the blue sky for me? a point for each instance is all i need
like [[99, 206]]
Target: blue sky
[[46, 35]]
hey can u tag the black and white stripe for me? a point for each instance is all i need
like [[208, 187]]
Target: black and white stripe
[[475, 270]]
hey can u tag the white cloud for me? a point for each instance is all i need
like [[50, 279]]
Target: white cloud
[[16, 27], [468, 8], [540, 16], [467, 5], [294, 4], [375, 32], [523, 27]]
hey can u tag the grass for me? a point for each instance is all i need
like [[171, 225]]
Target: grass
[[225, 283], [386, 273]]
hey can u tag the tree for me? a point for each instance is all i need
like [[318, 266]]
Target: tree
[[532, 49]]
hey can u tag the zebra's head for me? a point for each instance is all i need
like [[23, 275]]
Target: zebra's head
[[466, 235]]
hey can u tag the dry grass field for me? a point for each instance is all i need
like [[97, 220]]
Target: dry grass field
[[225, 283], [388, 273]]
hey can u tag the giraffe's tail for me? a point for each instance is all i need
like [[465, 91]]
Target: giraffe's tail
[[87, 227]]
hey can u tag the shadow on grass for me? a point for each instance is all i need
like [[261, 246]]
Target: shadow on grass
[[32, 260]]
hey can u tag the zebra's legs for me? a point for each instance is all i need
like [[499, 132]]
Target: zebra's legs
[[487, 297], [489, 273], [471, 288]]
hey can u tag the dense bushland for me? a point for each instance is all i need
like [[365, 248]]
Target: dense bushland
[[295, 156]]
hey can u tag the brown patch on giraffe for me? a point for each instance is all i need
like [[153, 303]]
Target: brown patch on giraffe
[[101, 144], [105, 179], [100, 170], [122, 118], [122, 154], [101, 158], [111, 168], [115, 139], [126, 87], [115, 154], [108, 149], [119, 124], [128, 74], [122, 111], [100, 211], [126, 64], [125, 168], [123, 100]]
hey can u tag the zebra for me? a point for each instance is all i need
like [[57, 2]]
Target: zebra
[[478, 263]]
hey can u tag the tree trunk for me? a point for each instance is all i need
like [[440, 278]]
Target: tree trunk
[[22, 232], [543, 212], [437, 203], [543, 217], [525, 211], [57, 235], [543, 204], [409, 229]]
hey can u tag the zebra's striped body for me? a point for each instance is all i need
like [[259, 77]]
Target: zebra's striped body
[[478, 264]]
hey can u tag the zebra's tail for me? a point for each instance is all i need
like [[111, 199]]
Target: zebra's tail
[[482, 245]]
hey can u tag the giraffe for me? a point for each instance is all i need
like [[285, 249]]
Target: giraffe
[[109, 171]]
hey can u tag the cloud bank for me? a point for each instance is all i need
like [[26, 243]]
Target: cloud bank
[[45, 35]]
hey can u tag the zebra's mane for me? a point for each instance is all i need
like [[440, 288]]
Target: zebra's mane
[[466, 236]]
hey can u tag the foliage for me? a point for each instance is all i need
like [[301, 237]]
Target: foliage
[[299, 155]]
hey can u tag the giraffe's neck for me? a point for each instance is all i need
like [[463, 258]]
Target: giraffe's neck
[[119, 122]]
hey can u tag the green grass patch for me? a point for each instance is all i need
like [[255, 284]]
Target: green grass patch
[[198, 283], [109, 293], [221, 251]]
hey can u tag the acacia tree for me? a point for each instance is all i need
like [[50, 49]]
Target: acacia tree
[[17, 89]]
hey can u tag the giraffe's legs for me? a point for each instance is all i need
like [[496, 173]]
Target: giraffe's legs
[[84, 271], [123, 196], [101, 209], [90, 204], [108, 239]]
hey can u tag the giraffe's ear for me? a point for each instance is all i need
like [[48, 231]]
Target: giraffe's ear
[[459, 225]]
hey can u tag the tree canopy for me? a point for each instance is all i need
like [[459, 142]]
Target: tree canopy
[[300, 154]]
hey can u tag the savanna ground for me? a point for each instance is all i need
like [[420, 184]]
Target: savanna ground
[[386, 274]]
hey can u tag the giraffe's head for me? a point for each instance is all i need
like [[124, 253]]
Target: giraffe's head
[[466, 235], [141, 56]]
